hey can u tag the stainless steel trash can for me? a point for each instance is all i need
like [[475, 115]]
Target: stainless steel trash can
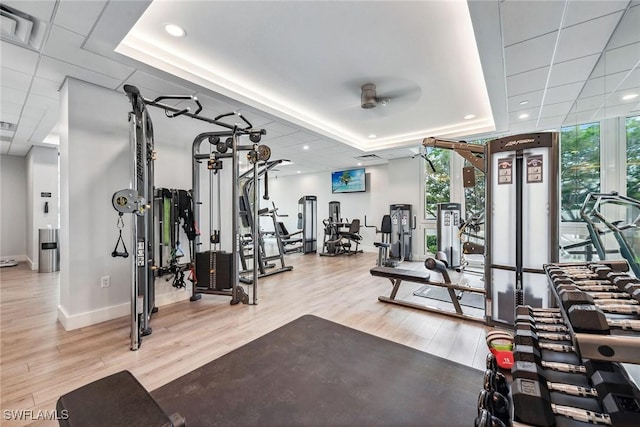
[[49, 256]]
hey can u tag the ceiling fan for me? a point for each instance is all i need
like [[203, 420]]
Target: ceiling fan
[[396, 90], [369, 97]]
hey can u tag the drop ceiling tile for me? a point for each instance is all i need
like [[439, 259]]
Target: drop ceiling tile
[[15, 96], [575, 70], [560, 109], [582, 11], [627, 31], [590, 103], [585, 39], [66, 46], [42, 10], [53, 69], [145, 81], [620, 110], [563, 93], [46, 88], [280, 128], [14, 79], [78, 16], [10, 112], [533, 100], [18, 58], [617, 60], [530, 55], [303, 136], [522, 126], [4, 147], [601, 85], [257, 119], [523, 20], [18, 149], [45, 125], [548, 123], [532, 112], [527, 82], [632, 81]]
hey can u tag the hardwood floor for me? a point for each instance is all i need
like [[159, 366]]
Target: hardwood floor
[[39, 360]]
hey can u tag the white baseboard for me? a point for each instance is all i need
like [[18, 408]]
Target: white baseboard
[[32, 265], [76, 321], [18, 258], [175, 295]]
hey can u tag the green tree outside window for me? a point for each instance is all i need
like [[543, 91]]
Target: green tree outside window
[[580, 167], [633, 157]]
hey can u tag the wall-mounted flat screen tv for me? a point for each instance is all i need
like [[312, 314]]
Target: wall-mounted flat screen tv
[[348, 181]]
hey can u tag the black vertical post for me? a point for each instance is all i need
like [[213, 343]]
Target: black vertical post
[[519, 171]]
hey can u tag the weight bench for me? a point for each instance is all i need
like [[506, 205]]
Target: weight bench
[[397, 275], [116, 400]]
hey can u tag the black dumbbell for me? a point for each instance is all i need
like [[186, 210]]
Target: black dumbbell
[[485, 419], [528, 337], [618, 306], [534, 372], [532, 405], [591, 318], [495, 381], [496, 404], [627, 283], [545, 320], [491, 362], [539, 327], [527, 310], [586, 288], [528, 353]]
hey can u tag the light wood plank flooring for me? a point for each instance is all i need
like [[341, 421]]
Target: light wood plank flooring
[[39, 360]]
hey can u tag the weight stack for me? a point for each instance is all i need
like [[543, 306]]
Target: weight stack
[[213, 270]]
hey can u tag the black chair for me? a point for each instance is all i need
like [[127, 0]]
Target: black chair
[[352, 236]]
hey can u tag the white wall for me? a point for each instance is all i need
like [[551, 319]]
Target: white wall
[[95, 162], [42, 177], [13, 204], [393, 183]]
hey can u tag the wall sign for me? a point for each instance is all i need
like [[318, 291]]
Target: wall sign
[[45, 194], [534, 169], [505, 171]]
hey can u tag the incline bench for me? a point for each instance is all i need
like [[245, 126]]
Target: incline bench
[[397, 275]]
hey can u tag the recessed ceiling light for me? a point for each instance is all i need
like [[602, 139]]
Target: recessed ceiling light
[[298, 171], [629, 96], [372, 135], [525, 102], [359, 164], [469, 116], [306, 147], [523, 116], [175, 30]]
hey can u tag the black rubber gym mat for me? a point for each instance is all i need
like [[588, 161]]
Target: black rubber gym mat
[[313, 372], [470, 299]]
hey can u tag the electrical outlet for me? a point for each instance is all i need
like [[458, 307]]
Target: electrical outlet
[[105, 281]]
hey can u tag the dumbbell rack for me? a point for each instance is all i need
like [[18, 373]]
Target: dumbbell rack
[[567, 370], [599, 304]]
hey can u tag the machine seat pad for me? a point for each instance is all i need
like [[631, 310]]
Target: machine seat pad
[[402, 274]]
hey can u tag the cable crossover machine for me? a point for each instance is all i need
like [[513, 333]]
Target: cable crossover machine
[[138, 200]]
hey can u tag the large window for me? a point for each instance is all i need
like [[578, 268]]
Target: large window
[[436, 183], [580, 165], [633, 157]]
